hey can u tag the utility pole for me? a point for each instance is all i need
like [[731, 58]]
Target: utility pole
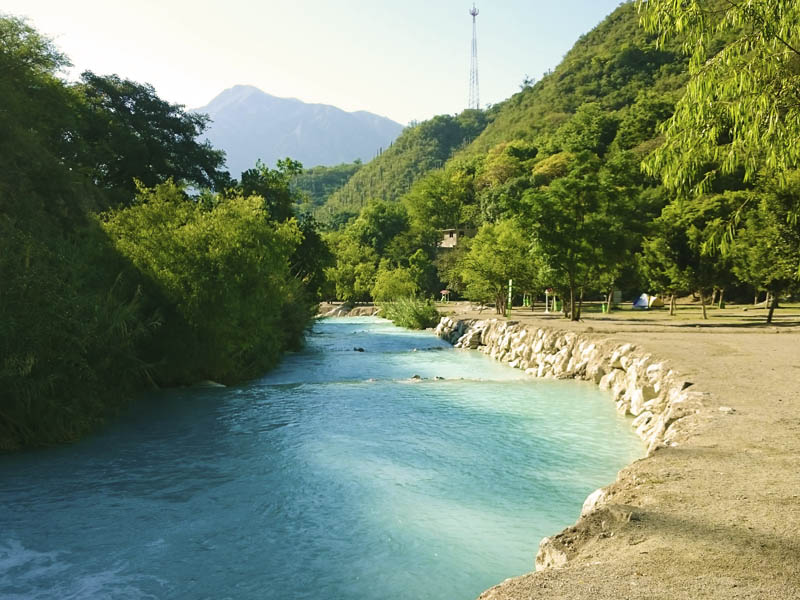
[[474, 96]]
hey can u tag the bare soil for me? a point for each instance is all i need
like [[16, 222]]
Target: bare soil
[[718, 515]]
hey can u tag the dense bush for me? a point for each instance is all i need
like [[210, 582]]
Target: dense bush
[[222, 271], [160, 289], [410, 312]]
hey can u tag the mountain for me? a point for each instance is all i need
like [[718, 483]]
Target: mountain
[[249, 124]]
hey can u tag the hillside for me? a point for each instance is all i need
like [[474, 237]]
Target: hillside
[[610, 66], [615, 70], [249, 124], [317, 184], [419, 149]]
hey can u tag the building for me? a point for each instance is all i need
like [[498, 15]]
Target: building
[[450, 237]]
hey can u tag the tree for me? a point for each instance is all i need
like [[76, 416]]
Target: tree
[[353, 274], [378, 224], [586, 222], [38, 125], [673, 257], [766, 251], [310, 258], [221, 277], [590, 128], [274, 187], [128, 133], [740, 108], [393, 283], [443, 199], [499, 252]]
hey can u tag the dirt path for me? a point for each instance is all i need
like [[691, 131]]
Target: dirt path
[[717, 516]]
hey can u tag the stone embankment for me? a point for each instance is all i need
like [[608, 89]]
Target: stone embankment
[[658, 399], [348, 310]]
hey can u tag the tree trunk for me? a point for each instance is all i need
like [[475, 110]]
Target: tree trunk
[[580, 306], [755, 300], [500, 303], [572, 312], [772, 306], [703, 303], [609, 299], [721, 303], [714, 296], [672, 304]]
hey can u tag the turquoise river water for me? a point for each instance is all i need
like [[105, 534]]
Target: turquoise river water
[[336, 476]]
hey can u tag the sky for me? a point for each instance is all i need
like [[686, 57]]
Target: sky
[[404, 60]]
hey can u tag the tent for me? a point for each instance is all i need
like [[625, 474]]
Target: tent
[[646, 301], [642, 302]]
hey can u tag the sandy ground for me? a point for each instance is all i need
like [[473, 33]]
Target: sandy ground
[[717, 516]]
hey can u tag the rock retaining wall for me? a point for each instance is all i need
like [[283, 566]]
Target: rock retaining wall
[[348, 310], [641, 386]]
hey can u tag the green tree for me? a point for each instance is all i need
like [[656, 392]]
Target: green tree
[[393, 283], [586, 223], [766, 251], [673, 257], [378, 224], [274, 186], [740, 108], [499, 252], [590, 129], [128, 133], [222, 277], [355, 268], [443, 199]]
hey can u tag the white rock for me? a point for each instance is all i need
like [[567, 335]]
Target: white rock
[[549, 555], [592, 500]]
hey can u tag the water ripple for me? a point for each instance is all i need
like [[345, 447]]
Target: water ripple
[[337, 475]]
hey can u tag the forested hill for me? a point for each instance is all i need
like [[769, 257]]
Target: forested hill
[[419, 149], [317, 184], [613, 67], [615, 72], [554, 187]]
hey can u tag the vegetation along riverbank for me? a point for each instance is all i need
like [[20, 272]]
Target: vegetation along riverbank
[[128, 256]]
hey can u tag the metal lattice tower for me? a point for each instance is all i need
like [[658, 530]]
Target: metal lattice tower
[[474, 95]]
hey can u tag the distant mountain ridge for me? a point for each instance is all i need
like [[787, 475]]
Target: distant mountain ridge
[[249, 124]]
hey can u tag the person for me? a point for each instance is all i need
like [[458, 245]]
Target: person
[[445, 296]]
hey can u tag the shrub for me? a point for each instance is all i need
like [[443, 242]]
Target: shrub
[[410, 312]]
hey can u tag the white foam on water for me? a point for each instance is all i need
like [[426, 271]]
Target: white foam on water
[[27, 574]]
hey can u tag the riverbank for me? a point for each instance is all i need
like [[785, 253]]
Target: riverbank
[[718, 514]]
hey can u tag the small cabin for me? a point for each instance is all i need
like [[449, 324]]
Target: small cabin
[[450, 237]]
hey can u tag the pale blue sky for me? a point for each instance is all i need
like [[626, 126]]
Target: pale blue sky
[[404, 60]]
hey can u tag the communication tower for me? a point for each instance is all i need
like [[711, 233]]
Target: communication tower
[[474, 96]]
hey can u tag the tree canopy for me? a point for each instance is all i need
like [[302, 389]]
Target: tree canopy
[[740, 107]]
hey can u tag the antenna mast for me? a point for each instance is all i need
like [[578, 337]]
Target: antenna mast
[[474, 96]]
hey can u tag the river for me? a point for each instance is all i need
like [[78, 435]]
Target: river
[[338, 475]]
